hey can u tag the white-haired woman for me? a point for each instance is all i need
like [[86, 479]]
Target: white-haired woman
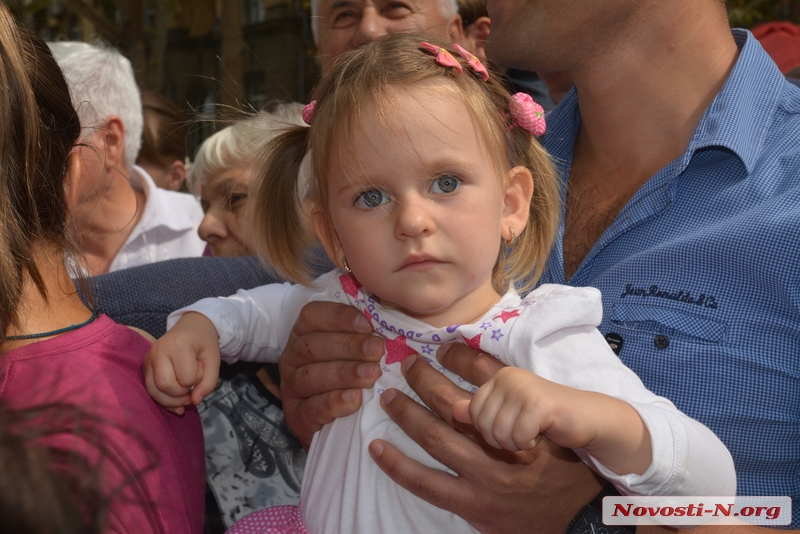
[[221, 175]]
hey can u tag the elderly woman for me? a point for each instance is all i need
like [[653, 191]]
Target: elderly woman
[[221, 175], [55, 350]]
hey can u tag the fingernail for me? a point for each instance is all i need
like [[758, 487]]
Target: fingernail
[[372, 346], [376, 449], [349, 395], [408, 362], [362, 324], [442, 349], [365, 370], [388, 396]]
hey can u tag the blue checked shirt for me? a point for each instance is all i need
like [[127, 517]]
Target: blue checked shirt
[[700, 271]]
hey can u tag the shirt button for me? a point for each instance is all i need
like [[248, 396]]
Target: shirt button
[[661, 342]]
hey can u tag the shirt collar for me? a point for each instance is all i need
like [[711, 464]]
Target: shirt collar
[[158, 211], [738, 118], [563, 123]]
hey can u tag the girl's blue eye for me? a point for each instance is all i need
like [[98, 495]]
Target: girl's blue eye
[[445, 184], [371, 199]]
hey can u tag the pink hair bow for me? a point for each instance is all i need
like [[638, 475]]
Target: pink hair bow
[[473, 62], [308, 112], [527, 114], [443, 57]]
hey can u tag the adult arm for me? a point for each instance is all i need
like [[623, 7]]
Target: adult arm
[[144, 296], [540, 490]]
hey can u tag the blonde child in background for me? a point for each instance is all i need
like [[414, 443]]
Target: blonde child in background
[[433, 197]]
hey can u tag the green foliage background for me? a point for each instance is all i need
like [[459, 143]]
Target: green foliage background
[[749, 13]]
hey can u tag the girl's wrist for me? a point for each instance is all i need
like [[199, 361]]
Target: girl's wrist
[[622, 441]]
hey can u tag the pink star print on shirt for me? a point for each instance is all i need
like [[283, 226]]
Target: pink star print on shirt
[[397, 350], [474, 342], [350, 285], [506, 315]]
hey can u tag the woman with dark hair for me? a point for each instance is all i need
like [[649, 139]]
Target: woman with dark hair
[[54, 350]]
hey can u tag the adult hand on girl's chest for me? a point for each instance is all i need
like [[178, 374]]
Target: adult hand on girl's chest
[[329, 357], [539, 490]]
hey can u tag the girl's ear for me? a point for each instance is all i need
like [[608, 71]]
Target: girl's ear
[[517, 202], [329, 238]]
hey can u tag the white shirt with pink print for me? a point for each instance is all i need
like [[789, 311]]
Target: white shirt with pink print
[[551, 332]]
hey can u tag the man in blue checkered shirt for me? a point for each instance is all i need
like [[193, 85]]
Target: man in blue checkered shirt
[[696, 258]]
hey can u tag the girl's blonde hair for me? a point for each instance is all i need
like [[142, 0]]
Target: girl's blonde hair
[[363, 79]]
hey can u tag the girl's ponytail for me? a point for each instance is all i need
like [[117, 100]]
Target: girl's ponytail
[[279, 234]]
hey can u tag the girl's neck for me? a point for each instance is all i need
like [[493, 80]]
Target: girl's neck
[[464, 310]]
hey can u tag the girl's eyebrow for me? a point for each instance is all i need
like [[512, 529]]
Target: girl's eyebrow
[[355, 185], [344, 189]]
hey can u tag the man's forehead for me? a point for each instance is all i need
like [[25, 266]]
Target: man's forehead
[[327, 6], [330, 5]]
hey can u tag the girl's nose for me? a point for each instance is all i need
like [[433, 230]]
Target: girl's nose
[[413, 220]]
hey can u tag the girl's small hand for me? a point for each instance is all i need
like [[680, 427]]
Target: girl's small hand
[[182, 367], [516, 408]]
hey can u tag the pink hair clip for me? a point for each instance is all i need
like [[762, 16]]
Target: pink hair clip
[[443, 57], [308, 112], [527, 114], [473, 62]]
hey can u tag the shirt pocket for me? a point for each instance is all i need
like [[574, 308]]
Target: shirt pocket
[[673, 324]]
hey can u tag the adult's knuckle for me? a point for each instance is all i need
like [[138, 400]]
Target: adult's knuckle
[[430, 437], [303, 375], [342, 373], [445, 395], [332, 403], [488, 364], [349, 344], [306, 315], [505, 482], [418, 486]]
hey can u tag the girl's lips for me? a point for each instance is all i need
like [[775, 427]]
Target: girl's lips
[[419, 262]]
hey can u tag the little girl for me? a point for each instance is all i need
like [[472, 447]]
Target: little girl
[[433, 198]]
